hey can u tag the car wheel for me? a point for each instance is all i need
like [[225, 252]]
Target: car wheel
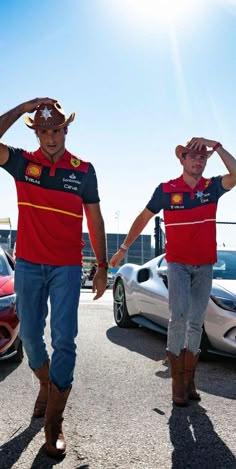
[[121, 314], [18, 357]]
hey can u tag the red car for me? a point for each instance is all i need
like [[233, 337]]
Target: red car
[[10, 343]]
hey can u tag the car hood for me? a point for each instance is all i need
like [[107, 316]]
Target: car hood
[[6, 285], [229, 285]]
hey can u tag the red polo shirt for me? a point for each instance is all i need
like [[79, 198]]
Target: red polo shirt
[[190, 219], [50, 200]]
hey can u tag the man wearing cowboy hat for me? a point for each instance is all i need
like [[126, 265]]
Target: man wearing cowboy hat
[[53, 189], [189, 203]]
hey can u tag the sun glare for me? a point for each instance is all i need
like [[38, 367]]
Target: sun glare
[[151, 13]]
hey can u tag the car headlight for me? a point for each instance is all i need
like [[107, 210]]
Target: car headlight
[[223, 299], [7, 301]]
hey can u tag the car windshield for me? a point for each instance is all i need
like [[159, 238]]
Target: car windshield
[[225, 267], [4, 266]]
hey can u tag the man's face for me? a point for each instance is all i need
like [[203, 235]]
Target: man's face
[[52, 141], [194, 164]]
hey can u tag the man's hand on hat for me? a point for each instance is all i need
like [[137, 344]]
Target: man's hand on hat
[[33, 104], [198, 143]]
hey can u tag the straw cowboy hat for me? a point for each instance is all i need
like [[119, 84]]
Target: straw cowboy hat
[[49, 116], [180, 149]]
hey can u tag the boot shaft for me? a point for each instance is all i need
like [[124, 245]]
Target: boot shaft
[[176, 363], [190, 360], [179, 396], [43, 373], [55, 441], [56, 401]]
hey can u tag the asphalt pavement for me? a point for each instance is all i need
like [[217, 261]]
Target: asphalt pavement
[[119, 413]]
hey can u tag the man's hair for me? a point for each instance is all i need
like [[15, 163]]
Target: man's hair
[[64, 128]]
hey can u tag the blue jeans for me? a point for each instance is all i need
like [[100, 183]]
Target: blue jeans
[[189, 289], [35, 284]]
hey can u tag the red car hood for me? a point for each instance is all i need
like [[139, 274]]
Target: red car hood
[[6, 285]]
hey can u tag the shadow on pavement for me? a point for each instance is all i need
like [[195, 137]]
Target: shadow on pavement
[[11, 451], [6, 368], [141, 340], [42, 461], [196, 444], [215, 375]]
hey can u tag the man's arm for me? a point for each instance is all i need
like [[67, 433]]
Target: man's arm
[[136, 228], [228, 180], [10, 117], [98, 241]]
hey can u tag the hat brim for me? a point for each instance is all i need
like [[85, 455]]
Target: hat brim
[[31, 124], [180, 149]]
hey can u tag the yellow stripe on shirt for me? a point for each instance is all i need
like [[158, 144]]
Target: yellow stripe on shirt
[[51, 209]]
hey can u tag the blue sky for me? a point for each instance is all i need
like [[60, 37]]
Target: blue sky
[[142, 77]]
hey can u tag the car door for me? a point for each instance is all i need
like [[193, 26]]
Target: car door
[[152, 293]]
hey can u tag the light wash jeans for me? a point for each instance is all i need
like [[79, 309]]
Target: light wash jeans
[[189, 289], [35, 284]]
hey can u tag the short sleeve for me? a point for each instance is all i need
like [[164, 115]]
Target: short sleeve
[[155, 204], [90, 190], [12, 164], [219, 189]]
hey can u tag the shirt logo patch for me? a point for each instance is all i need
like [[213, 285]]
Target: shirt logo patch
[[75, 162], [33, 170], [176, 199]]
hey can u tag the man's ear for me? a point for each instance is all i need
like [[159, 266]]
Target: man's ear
[[65, 130], [36, 134]]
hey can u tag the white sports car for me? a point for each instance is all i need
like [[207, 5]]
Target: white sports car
[[141, 298]]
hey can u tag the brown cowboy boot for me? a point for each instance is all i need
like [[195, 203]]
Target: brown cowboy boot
[[177, 373], [189, 372], [55, 441], [41, 401]]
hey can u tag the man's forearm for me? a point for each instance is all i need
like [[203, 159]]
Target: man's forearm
[[98, 240], [8, 119], [137, 227], [228, 160]]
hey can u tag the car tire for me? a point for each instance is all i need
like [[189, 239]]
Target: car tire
[[204, 346], [18, 357], [121, 314]]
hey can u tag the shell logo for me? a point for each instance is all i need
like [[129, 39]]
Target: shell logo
[[75, 162], [176, 198], [33, 170]]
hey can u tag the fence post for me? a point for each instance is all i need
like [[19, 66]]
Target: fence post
[[157, 235]]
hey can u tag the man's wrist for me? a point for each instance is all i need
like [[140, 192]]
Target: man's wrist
[[216, 146], [123, 247], [103, 265], [19, 110]]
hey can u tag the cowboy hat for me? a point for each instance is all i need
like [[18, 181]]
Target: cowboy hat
[[180, 149], [49, 116]]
